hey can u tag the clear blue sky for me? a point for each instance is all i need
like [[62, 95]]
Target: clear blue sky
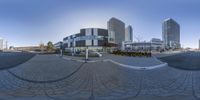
[[29, 22]]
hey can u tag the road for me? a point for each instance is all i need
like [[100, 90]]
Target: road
[[49, 77]]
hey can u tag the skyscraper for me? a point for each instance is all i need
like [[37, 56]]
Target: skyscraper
[[171, 33], [129, 33], [5, 45], [1, 43], [116, 31]]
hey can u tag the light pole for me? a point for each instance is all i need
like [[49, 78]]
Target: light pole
[[150, 46], [86, 54], [105, 39], [61, 49]]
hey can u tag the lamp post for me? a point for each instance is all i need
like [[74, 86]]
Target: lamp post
[[105, 44], [86, 54], [61, 49], [150, 46]]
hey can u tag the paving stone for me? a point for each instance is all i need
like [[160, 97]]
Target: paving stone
[[34, 80]]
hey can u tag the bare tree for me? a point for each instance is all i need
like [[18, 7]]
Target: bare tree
[[138, 38], [42, 46]]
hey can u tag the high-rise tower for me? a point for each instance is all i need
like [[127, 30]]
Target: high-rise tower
[[171, 33], [129, 33], [1, 43], [116, 31]]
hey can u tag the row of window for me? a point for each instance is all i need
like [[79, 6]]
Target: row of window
[[91, 37]]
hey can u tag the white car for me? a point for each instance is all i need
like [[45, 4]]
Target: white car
[[99, 54]]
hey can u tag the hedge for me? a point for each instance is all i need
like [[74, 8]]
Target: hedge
[[132, 54]]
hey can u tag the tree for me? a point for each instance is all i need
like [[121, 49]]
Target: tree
[[138, 38], [49, 46], [42, 47]]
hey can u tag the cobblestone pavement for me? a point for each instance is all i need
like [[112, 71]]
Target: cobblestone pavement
[[48, 77]]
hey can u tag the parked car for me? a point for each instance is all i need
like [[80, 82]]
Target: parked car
[[99, 54]]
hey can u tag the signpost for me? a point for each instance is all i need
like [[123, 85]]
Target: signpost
[[86, 54]]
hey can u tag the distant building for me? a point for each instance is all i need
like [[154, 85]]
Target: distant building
[[129, 33], [1, 44], [153, 45], [93, 38], [116, 31], [5, 45], [199, 44], [11, 48], [28, 48], [58, 45], [157, 44], [171, 34], [156, 40]]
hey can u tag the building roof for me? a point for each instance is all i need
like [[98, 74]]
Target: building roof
[[170, 19], [113, 18], [93, 28]]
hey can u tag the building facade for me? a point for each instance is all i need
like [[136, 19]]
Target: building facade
[[116, 31], [29, 48], [1, 44], [93, 38], [129, 33], [153, 45], [58, 45], [199, 44], [171, 34]]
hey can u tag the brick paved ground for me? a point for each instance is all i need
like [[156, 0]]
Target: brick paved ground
[[48, 77]]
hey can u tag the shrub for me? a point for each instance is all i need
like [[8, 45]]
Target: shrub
[[132, 54]]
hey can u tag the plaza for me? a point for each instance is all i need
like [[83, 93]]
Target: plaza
[[51, 77], [99, 50]]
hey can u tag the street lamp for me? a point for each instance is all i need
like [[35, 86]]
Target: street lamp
[[86, 54], [150, 46], [61, 49], [105, 39]]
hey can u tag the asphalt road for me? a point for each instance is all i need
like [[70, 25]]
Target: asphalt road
[[48, 77]]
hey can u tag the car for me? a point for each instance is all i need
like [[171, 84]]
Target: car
[[99, 54]]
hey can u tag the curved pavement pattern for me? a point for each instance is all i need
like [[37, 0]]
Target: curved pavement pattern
[[60, 79]]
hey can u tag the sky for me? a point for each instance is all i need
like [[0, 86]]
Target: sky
[[31, 22]]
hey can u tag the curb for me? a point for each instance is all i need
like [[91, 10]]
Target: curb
[[138, 67], [71, 59], [123, 65]]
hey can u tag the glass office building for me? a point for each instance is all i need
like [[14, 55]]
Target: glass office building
[[171, 34], [116, 31], [1, 43], [129, 33], [93, 38]]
